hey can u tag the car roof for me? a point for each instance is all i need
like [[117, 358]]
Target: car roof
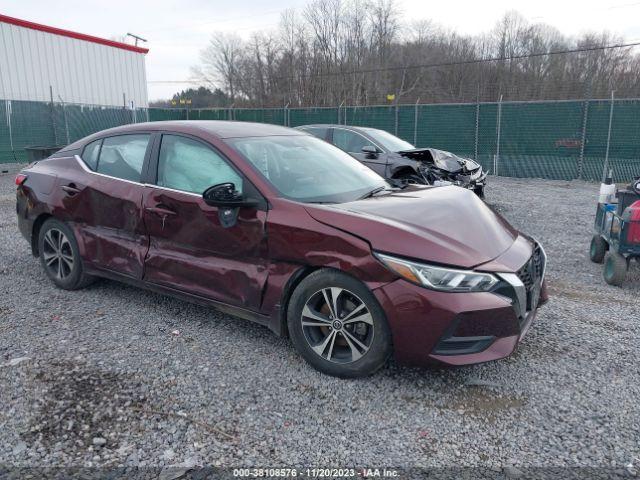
[[217, 128], [335, 125]]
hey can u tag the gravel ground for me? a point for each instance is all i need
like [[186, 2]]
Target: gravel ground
[[107, 382]]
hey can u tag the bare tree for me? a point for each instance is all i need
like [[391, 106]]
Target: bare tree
[[359, 51], [220, 62]]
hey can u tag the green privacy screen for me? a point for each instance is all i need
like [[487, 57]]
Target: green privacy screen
[[556, 139]]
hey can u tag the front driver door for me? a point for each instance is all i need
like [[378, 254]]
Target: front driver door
[[190, 248], [352, 143]]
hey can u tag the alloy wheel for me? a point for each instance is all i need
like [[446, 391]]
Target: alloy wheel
[[337, 325], [57, 254]]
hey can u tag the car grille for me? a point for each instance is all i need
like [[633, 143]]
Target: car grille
[[531, 274]]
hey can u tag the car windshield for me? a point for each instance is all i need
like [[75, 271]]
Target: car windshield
[[388, 141], [307, 169]]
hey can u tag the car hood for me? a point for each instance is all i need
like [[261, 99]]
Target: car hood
[[443, 160], [446, 225]]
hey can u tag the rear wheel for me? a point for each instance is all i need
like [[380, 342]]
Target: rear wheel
[[479, 191], [60, 256], [337, 325], [598, 249], [615, 269]]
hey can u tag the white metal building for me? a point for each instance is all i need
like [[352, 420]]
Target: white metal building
[[36, 60]]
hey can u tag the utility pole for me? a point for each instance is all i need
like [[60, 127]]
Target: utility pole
[[137, 38]]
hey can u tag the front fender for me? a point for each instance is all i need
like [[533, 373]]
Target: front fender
[[397, 165], [298, 244]]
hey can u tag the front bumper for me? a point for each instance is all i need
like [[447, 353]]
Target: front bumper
[[457, 328], [473, 181]]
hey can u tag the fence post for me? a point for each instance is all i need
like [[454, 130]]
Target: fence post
[[475, 141], [53, 117], [8, 111], [285, 120], [415, 124], [606, 155], [583, 138], [396, 120], [496, 159], [340, 108], [64, 117]]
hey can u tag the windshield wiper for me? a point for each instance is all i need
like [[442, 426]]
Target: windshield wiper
[[373, 192]]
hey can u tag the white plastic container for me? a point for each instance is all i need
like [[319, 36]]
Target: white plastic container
[[607, 190]]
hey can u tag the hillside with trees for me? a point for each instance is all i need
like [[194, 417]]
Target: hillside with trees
[[359, 52]]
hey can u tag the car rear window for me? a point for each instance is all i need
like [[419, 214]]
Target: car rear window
[[123, 156], [90, 154]]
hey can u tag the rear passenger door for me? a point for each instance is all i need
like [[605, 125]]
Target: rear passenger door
[[353, 142], [107, 203]]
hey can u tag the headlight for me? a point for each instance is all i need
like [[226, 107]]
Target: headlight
[[439, 278]]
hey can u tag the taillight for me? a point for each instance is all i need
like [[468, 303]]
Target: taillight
[[20, 178], [631, 215]]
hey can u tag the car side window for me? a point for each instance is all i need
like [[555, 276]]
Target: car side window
[[349, 141], [191, 166], [123, 156], [320, 132], [90, 154]]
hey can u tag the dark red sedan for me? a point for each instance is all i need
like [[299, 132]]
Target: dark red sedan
[[279, 227]]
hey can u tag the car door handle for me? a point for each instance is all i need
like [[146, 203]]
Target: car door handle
[[160, 211], [70, 189]]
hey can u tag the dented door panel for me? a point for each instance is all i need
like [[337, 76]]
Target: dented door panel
[[190, 250], [106, 215]]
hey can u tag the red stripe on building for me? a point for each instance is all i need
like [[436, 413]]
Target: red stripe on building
[[70, 34]]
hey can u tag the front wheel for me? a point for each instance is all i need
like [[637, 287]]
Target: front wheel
[[337, 325], [615, 269], [479, 190]]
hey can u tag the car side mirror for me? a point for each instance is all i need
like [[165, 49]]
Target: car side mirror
[[370, 150], [225, 195]]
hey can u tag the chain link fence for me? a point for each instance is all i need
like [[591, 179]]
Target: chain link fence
[[562, 140], [41, 124]]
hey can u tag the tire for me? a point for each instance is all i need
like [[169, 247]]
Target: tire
[[598, 249], [350, 350], [60, 256], [479, 191], [615, 269]]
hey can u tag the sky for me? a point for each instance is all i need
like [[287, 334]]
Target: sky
[[178, 30]]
